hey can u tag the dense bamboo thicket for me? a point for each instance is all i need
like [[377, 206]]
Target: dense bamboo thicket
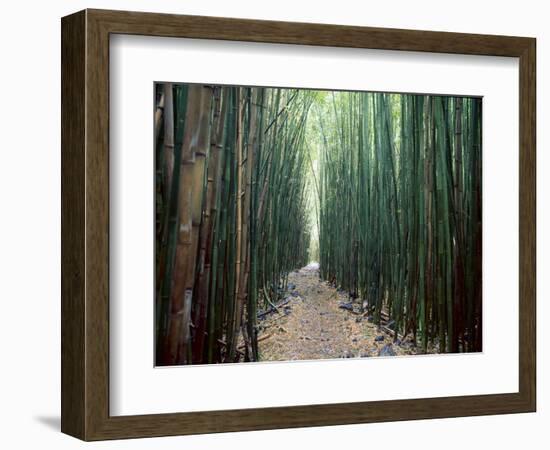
[[400, 211], [231, 215], [252, 183]]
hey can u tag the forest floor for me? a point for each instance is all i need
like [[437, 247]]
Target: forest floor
[[317, 321]]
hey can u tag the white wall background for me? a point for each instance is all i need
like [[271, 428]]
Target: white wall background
[[30, 224]]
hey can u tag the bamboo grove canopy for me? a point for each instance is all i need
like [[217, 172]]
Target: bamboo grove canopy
[[384, 190]]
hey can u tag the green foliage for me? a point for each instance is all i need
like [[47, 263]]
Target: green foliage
[[400, 211], [255, 221], [384, 190]]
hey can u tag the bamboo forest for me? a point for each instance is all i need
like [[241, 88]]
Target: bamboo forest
[[300, 224]]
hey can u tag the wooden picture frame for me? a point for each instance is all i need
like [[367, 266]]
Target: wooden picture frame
[[85, 224]]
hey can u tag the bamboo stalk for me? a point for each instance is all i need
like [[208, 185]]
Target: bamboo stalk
[[194, 148]]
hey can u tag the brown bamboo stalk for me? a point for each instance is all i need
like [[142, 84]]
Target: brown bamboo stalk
[[207, 225], [237, 309], [168, 139], [167, 158], [158, 116], [250, 153], [428, 192], [459, 285], [194, 148]]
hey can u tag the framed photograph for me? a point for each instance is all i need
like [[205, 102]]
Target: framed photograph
[[273, 225]]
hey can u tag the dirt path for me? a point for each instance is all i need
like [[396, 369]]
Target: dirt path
[[312, 325]]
